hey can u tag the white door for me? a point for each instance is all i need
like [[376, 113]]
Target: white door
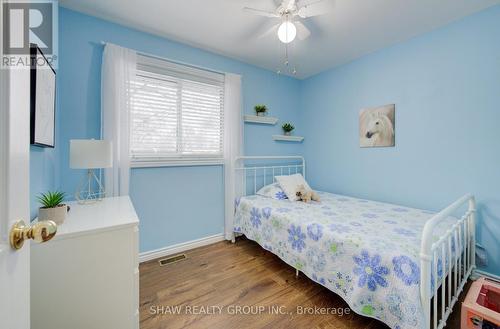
[[14, 195]]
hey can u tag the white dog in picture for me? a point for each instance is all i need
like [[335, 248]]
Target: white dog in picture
[[376, 126]]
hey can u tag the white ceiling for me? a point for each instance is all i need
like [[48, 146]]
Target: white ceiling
[[352, 29]]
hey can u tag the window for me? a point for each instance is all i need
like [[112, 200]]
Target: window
[[177, 114]]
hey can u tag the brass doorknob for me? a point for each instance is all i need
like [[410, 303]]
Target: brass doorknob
[[40, 232]]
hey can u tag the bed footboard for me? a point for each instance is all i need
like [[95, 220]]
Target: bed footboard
[[452, 255]]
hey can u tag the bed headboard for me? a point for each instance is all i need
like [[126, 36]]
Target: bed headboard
[[247, 174], [254, 172]]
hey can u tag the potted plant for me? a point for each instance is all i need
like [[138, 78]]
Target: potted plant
[[52, 207], [287, 128], [260, 109]]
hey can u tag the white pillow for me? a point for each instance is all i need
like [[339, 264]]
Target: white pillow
[[273, 191], [291, 183]]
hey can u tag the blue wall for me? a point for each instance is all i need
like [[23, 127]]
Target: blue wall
[[174, 204], [446, 87], [43, 162], [185, 203]]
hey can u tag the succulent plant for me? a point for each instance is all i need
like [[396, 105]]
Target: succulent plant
[[260, 108], [287, 127], [51, 199]]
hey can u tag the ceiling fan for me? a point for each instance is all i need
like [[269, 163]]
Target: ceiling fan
[[290, 12]]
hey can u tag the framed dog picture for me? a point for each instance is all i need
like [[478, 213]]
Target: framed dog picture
[[42, 100], [376, 126]]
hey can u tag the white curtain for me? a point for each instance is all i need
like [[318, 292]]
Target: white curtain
[[233, 145], [118, 70]]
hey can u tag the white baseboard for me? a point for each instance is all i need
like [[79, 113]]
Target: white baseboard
[[488, 275], [180, 247]]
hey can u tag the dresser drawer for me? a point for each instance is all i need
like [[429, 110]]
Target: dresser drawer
[[86, 280]]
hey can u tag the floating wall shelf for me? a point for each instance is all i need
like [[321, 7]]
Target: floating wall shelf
[[262, 120], [288, 138]]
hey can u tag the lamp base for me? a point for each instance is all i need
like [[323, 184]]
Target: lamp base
[[90, 189]]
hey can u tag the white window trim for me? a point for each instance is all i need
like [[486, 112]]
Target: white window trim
[[178, 161]]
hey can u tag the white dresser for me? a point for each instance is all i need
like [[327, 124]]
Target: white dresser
[[87, 276]]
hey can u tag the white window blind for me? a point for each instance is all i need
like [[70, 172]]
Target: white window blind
[[176, 114]]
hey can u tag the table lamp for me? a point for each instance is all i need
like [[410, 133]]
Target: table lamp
[[90, 154]]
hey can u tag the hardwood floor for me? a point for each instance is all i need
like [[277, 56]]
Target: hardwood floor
[[228, 276]]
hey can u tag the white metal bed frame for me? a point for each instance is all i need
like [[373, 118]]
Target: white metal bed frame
[[459, 268]]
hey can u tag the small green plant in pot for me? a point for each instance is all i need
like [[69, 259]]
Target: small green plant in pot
[[287, 128], [52, 207], [260, 109]]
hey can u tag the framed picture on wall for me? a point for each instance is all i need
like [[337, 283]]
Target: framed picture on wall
[[376, 126], [42, 99]]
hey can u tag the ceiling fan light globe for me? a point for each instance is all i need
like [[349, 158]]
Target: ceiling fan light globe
[[287, 32]]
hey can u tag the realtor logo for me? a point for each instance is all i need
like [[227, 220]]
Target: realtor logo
[[26, 23]]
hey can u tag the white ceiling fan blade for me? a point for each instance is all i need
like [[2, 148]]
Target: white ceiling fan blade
[[260, 12], [288, 4], [317, 8], [302, 31], [273, 30]]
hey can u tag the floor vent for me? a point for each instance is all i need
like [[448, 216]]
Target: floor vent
[[172, 259]]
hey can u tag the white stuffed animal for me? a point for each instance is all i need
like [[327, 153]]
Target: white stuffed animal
[[306, 195]]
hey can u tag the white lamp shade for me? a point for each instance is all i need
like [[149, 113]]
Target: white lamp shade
[[90, 154]]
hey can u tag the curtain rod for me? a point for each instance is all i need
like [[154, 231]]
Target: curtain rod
[[167, 59]]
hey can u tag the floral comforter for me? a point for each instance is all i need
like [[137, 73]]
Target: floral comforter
[[365, 251]]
